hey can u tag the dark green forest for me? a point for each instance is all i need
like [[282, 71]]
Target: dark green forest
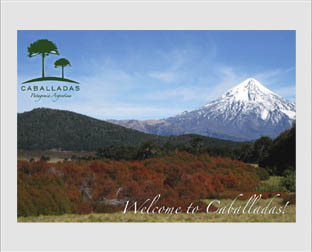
[[44, 129]]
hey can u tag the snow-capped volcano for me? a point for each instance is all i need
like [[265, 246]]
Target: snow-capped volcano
[[247, 111], [251, 97]]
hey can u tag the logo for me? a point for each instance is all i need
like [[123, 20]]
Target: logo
[[41, 87]]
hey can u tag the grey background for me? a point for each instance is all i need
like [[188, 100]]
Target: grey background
[[290, 15]]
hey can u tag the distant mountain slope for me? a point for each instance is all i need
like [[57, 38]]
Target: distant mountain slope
[[43, 129], [245, 112]]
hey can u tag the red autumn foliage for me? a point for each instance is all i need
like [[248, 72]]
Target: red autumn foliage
[[104, 186]]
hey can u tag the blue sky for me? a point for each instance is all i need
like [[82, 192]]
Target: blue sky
[[156, 74]]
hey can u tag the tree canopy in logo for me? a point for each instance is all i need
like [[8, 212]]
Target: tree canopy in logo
[[62, 63], [44, 48]]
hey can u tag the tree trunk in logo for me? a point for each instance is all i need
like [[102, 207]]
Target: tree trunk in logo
[[43, 65], [62, 72]]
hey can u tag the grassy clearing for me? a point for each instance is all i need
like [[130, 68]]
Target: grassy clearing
[[273, 181], [273, 184], [288, 216]]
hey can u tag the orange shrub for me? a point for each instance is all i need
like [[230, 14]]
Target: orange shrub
[[179, 178]]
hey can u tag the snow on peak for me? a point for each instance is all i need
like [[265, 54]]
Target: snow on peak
[[250, 97], [248, 90], [252, 83]]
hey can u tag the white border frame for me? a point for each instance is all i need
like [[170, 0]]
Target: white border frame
[[214, 15]]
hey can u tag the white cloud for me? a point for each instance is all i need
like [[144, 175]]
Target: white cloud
[[163, 76], [268, 74], [287, 92], [230, 77], [179, 94], [120, 111], [179, 58], [271, 77], [200, 93]]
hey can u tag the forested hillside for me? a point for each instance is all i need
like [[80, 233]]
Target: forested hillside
[[43, 129]]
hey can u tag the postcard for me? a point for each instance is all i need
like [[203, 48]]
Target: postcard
[[156, 126]]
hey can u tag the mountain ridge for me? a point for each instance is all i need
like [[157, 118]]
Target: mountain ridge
[[245, 112]]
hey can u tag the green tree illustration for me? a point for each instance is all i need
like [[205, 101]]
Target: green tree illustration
[[43, 47], [62, 63]]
